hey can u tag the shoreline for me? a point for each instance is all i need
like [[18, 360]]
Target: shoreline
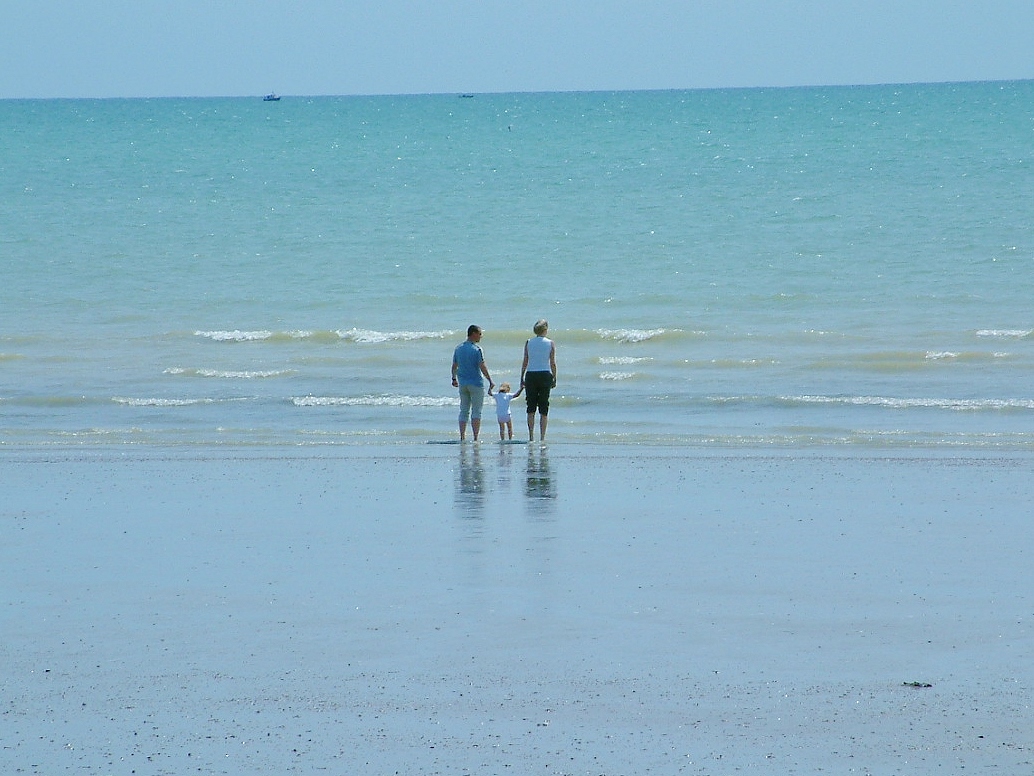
[[492, 608], [448, 442]]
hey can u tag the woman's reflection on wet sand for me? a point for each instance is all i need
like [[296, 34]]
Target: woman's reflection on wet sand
[[539, 485]]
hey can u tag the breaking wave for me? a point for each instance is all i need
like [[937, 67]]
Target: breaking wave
[[229, 374], [374, 401]]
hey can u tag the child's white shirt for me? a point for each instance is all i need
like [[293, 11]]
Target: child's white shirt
[[502, 405]]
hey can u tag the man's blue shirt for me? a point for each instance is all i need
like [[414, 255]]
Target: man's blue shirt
[[468, 358]]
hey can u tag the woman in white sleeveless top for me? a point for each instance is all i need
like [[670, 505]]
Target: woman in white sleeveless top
[[538, 376]]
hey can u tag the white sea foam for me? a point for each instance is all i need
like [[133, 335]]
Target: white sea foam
[[96, 433], [630, 335], [1005, 333], [734, 363], [623, 360], [235, 335], [160, 402], [364, 336], [228, 374], [940, 355], [617, 375], [368, 336], [374, 401], [909, 403]]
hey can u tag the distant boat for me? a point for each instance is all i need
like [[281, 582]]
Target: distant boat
[[466, 96], [271, 97]]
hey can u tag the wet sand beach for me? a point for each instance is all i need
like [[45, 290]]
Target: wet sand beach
[[570, 609]]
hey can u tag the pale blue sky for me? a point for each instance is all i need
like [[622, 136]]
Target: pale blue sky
[[147, 48]]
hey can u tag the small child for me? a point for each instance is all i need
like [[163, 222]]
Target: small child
[[503, 397]]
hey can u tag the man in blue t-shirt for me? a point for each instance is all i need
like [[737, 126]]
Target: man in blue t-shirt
[[468, 364]]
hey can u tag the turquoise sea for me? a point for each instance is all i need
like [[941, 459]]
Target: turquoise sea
[[787, 268]]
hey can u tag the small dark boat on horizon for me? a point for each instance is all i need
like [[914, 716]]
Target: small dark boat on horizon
[[271, 97]]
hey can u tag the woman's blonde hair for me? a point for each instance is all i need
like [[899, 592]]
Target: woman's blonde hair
[[540, 326]]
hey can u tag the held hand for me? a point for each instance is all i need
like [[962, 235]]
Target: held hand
[[454, 381]]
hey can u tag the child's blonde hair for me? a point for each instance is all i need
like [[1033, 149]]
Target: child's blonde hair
[[504, 387]]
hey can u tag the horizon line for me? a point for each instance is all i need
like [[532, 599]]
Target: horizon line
[[475, 93]]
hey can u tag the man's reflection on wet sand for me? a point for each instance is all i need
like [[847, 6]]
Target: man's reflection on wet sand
[[470, 482]]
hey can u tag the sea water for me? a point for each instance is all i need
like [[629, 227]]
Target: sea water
[[786, 268]]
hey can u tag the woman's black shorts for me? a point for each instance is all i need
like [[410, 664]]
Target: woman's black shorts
[[536, 390]]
